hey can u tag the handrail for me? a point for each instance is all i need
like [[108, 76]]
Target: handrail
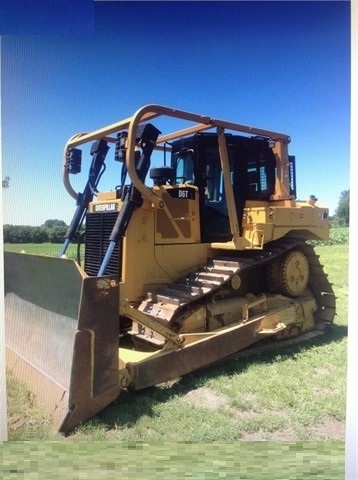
[[149, 112]]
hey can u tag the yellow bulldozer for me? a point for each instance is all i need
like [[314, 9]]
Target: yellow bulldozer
[[179, 265]]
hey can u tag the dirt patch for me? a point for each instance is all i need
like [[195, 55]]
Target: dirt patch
[[329, 429], [205, 397], [14, 423], [323, 370], [279, 435]]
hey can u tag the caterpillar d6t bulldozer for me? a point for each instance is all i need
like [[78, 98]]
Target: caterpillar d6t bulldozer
[[184, 262]]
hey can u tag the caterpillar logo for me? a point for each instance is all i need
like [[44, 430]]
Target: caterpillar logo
[[105, 207]]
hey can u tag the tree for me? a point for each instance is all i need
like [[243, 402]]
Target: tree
[[39, 235], [9, 232], [54, 223], [55, 230], [57, 234], [342, 210], [6, 182]]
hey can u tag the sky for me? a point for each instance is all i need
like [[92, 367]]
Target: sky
[[282, 66], [24, 17]]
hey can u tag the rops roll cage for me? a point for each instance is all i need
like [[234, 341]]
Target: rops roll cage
[[201, 123]]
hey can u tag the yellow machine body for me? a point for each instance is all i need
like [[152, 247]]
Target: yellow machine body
[[209, 259]]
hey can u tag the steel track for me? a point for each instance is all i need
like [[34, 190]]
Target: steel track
[[169, 304]]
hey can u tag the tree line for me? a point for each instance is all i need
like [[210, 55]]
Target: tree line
[[52, 231]]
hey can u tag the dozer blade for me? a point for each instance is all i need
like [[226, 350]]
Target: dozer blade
[[61, 334]]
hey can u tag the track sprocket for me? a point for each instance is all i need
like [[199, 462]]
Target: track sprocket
[[289, 276]]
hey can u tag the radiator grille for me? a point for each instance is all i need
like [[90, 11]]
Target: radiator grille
[[98, 230]]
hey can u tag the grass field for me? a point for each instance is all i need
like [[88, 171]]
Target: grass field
[[173, 461], [50, 249], [290, 393]]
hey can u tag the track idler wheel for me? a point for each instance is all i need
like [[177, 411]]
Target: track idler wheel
[[289, 275]]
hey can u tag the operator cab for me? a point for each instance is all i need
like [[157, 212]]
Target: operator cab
[[196, 161]]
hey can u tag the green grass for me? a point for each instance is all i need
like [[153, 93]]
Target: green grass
[[26, 419], [197, 461], [50, 249], [291, 393]]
